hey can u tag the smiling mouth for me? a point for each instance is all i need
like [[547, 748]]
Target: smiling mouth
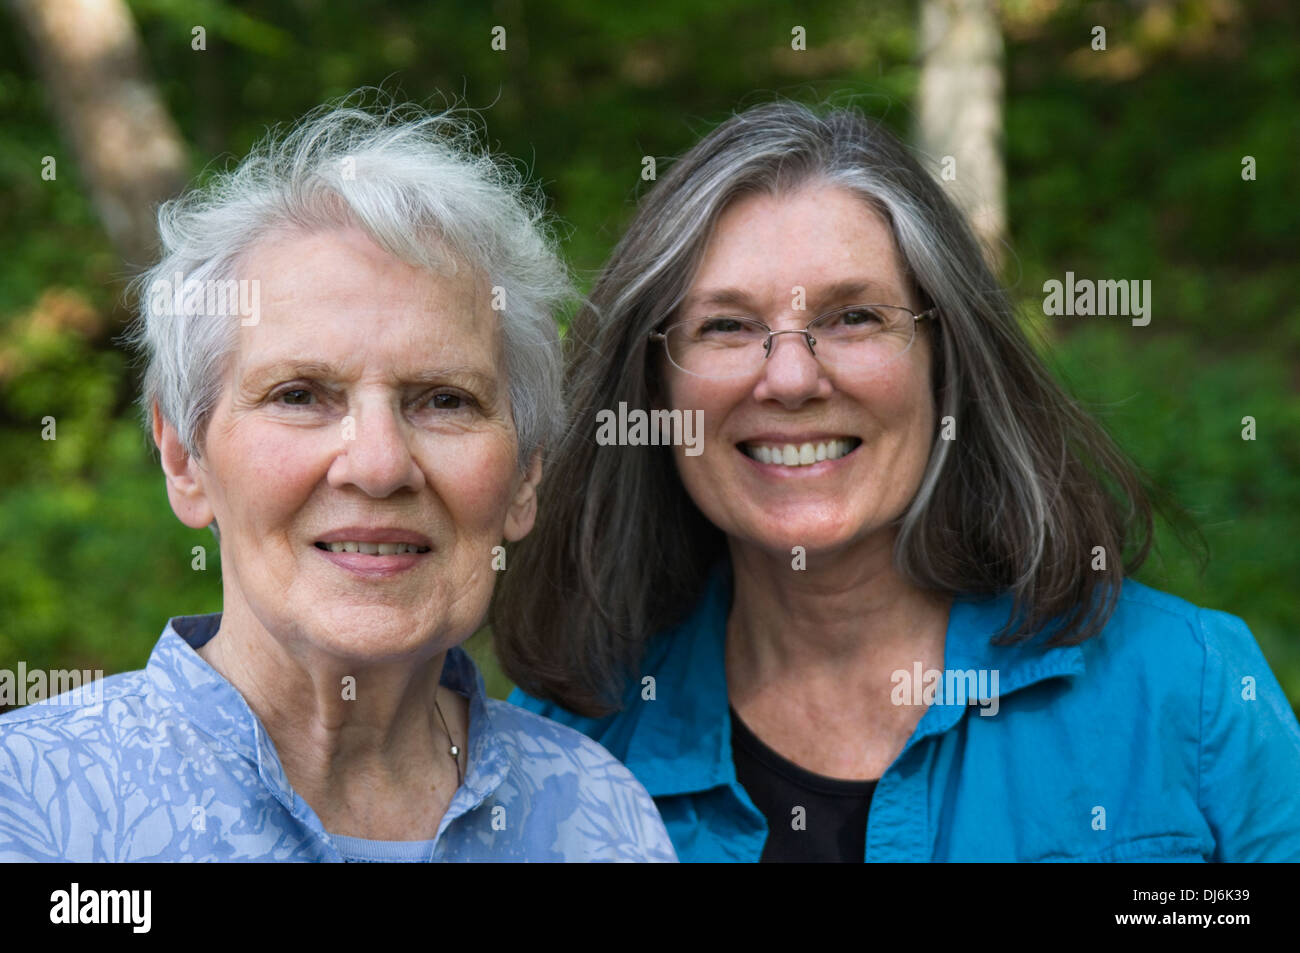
[[800, 455], [372, 549]]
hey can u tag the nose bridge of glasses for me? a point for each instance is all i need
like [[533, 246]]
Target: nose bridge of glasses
[[769, 343]]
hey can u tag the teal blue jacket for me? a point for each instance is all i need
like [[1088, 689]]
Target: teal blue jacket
[[1166, 737]]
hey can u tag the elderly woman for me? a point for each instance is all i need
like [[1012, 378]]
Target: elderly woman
[[884, 613], [362, 430]]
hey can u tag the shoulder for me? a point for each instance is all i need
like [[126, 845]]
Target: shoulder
[[1159, 651], [1142, 606], [1168, 655], [1150, 625], [90, 709], [667, 656], [542, 744], [62, 758], [576, 784], [1247, 738], [1178, 636], [612, 731]]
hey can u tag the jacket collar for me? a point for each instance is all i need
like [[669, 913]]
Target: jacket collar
[[684, 745]]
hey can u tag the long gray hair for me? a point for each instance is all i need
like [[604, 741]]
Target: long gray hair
[[1016, 503]]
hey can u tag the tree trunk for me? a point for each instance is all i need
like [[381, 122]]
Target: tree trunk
[[124, 141], [960, 110]]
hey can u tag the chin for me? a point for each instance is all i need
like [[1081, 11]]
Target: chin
[[367, 632], [815, 540], [379, 648]]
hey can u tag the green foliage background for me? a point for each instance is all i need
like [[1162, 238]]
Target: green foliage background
[[1121, 164]]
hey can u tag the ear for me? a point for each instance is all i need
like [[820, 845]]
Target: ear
[[523, 508], [185, 489]]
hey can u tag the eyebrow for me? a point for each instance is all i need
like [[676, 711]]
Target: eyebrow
[[849, 291]]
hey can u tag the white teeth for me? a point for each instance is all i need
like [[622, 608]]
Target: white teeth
[[803, 455], [373, 549]]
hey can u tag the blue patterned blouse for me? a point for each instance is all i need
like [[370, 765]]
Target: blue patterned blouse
[[170, 764]]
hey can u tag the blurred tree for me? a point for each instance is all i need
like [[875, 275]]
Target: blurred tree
[[128, 148], [960, 110]]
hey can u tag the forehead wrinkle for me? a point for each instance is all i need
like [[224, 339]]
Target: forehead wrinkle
[[855, 291], [429, 292], [847, 291]]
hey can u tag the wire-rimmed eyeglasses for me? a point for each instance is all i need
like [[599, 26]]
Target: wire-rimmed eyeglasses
[[860, 336]]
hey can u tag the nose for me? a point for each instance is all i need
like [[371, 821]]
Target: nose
[[376, 454], [791, 372]]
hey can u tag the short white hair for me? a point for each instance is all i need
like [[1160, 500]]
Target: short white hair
[[420, 185]]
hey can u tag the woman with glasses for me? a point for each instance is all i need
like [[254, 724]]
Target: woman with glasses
[[887, 613]]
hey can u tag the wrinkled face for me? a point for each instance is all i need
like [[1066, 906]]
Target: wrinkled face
[[361, 463], [871, 428]]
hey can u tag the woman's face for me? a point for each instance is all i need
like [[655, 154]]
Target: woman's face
[[828, 242], [367, 405]]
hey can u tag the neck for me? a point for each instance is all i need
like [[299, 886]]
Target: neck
[[845, 619], [358, 741], [810, 654]]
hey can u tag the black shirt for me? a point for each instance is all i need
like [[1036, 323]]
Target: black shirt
[[809, 817]]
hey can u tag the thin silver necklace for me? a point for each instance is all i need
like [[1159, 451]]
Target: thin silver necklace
[[453, 750]]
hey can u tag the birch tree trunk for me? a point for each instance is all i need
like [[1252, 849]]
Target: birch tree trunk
[[960, 111], [128, 149]]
